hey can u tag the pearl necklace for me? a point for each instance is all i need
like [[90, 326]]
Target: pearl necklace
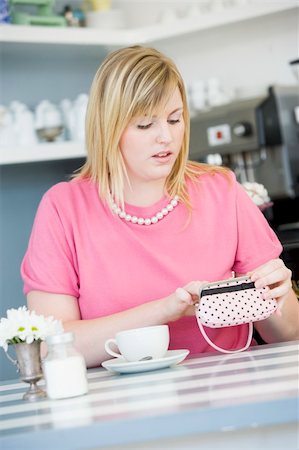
[[141, 220]]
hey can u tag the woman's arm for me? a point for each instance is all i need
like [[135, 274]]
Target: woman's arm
[[90, 335], [284, 325]]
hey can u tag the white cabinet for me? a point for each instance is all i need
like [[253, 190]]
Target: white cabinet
[[42, 152], [26, 51]]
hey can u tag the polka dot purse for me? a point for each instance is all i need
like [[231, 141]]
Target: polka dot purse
[[229, 303]]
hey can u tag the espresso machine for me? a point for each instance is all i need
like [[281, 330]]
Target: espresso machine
[[258, 138]]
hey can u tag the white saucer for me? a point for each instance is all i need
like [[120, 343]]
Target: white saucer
[[119, 365]]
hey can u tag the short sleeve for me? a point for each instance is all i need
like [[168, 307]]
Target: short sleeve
[[49, 262], [257, 242]]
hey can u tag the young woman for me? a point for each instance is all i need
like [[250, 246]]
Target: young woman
[[119, 245]]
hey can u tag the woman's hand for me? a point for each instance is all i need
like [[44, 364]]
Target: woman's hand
[[276, 278], [181, 302]]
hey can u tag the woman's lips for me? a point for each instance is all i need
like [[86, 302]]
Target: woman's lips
[[163, 157]]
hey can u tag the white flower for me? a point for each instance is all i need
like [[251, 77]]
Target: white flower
[[22, 325], [257, 192]]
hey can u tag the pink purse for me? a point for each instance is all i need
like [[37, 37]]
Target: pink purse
[[232, 302]]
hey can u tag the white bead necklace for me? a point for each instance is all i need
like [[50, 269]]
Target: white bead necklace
[[141, 220]]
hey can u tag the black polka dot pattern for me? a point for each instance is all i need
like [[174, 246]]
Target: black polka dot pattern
[[233, 308]]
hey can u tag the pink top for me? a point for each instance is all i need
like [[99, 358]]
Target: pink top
[[78, 247]]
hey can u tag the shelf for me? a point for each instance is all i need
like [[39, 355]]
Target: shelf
[[122, 37], [42, 152]]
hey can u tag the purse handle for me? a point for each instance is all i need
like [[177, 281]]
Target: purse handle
[[208, 340]]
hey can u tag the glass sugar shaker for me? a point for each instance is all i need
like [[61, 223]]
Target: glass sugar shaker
[[64, 368]]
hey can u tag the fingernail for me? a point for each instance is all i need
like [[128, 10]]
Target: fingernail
[[267, 292], [183, 295]]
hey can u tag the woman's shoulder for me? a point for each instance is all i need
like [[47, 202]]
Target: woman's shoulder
[[206, 176], [75, 187], [67, 199]]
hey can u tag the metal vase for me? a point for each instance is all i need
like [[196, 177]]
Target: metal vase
[[30, 368]]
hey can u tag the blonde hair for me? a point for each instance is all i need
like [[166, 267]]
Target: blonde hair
[[130, 82]]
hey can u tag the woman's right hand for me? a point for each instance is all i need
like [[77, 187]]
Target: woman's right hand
[[99, 329], [181, 302]]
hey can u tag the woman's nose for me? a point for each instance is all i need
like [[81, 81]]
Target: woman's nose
[[164, 134]]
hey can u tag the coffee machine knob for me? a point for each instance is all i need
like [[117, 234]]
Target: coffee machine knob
[[242, 129]]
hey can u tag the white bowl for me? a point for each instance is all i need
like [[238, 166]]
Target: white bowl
[[111, 19], [140, 13]]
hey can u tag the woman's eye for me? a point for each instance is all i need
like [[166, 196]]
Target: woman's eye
[[173, 121], [144, 127]]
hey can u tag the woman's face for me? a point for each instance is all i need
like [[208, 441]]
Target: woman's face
[[150, 145]]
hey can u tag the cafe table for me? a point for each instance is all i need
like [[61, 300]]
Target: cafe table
[[241, 401]]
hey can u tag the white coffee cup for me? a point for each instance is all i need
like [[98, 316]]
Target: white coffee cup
[[140, 343]]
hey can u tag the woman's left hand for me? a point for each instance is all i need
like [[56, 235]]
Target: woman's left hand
[[276, 278]]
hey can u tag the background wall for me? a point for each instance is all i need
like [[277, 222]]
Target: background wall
[[250, 55]]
